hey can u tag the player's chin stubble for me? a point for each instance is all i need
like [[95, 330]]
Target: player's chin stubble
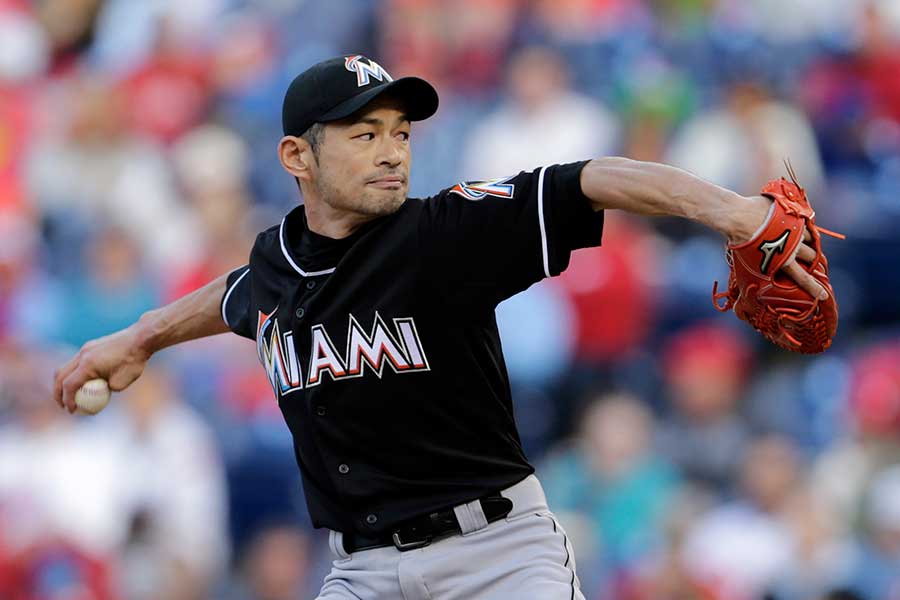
[[365, 201]]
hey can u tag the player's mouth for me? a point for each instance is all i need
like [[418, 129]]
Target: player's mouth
[[391, 182]]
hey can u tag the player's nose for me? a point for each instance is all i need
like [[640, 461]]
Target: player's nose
[[390, 153]]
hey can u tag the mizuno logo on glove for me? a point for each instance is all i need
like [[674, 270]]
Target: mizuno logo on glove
[[770, 247]]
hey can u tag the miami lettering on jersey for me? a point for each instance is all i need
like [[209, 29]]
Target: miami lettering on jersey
[[364, 68], [277, 355], [476, 190], [399, 348]]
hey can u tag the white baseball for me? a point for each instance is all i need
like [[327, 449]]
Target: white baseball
[[92, 397]]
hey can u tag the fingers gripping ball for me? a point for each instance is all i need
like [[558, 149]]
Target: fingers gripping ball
[[92, 397], [759, 293]]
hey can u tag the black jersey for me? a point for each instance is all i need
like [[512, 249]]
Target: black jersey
[[382, 348]]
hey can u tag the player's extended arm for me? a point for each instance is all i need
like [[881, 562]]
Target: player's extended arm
[[648, 188], [119, 358]]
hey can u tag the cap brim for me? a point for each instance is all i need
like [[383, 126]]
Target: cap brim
[[419, 97]]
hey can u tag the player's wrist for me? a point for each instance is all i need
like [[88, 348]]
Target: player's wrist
[[745, 217], [145, 333]]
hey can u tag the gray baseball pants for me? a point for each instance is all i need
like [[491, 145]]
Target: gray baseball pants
[[526, 555]]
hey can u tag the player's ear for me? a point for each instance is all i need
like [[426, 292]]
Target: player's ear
[[296, 156]]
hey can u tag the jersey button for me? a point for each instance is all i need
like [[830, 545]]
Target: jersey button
[[320, 410], [344, 469], [310, 285], [371, 519], [299, 313]]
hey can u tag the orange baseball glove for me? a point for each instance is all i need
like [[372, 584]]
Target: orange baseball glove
[[765, 297]]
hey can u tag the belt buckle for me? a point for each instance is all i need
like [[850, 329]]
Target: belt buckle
[[404, 546]]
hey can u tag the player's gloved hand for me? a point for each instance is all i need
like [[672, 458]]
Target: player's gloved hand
[[779, 276], [117, 358], [751, 218]]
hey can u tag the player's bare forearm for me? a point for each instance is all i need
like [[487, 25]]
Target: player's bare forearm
[[655, 189], [648, 188], [193, 316], [120, 358]]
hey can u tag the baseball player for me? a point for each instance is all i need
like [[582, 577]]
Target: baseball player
[[373, 316]]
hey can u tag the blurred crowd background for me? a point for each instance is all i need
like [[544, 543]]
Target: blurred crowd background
[[687, 458]]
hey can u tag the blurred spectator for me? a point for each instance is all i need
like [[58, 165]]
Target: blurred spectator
[[611, 289], [872, 441], [23, 48], [874, 398], [798, 20], [705, 367], [69, 25], [111, 295], [875, 572], [168, 93], [245, 66], [661, 573], [481, 39], [175, 492], [149, 488], [97, 169], [50, 547], [55, 570], [853, 99], [126, 32], [46, 457], [585, 20], [861, 79], [610, 477], [23, 58], [743, 143], [820, 548], [211, 166], [654, 97], [275, 566], [542, 122], [536, 358], [742, 547], [29, 300], [458, 46], [551, 339]]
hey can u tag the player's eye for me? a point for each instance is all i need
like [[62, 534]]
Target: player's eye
[[371, 136], [404, 136]]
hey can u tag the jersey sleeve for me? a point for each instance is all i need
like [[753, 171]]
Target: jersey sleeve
[[484, 241], [236, 309]]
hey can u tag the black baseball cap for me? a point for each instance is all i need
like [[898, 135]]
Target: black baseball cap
[[338, 87]]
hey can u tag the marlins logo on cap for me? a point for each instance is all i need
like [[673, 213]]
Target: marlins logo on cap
[[364, 67]]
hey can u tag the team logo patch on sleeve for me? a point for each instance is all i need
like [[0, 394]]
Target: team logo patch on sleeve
[[477, 190]]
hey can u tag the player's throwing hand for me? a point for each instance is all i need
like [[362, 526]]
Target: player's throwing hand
[[117, 358], [120, 358]]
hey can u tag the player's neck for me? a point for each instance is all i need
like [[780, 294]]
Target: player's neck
[[330, 222]]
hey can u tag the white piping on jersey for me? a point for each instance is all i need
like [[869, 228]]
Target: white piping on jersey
[[228, 293], [541, 221], [290, 260]]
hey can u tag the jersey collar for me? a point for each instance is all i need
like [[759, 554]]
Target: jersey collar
[[294, 216]]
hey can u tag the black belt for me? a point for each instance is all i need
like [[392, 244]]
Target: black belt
[[421, 531]]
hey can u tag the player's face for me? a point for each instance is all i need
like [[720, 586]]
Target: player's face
[[363, 163]]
